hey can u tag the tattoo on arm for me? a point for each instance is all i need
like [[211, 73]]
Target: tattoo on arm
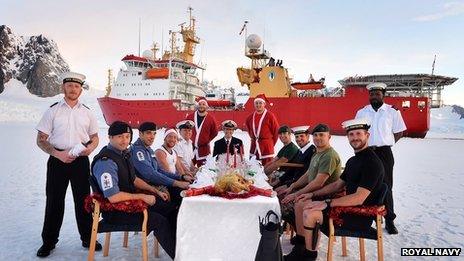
[[43, 143]]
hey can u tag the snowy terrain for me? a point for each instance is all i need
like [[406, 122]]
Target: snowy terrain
[[429, 180]]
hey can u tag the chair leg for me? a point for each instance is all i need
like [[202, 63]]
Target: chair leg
[[344, 252], [362, 252], [106, 247], [144, 236], [93, 236], [156, 247], [379, 238], [331, 240], [125, 239]]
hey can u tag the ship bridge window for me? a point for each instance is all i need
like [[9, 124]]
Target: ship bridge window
[[406, 104], [421, 104]]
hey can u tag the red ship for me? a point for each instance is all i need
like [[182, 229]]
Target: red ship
[[164, 91]]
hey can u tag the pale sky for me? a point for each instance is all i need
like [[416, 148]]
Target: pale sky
[[331, 39]]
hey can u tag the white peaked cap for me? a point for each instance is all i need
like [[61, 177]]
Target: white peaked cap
[[361, 123]]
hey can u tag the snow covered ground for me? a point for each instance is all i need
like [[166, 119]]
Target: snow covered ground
[[429, 180]]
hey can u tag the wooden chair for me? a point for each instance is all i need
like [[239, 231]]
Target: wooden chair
[[371, 233], [125, 243], [100, 226]]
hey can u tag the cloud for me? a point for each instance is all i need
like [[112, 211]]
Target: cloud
[[449, 9]]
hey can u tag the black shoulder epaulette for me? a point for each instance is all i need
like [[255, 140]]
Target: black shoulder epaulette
[[393, 107], [53, 104], [85, 106]]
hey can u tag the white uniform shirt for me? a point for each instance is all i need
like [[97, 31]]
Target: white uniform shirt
[[306, 147], [66, 126], [384, 123], [184, 150], [171, 159]]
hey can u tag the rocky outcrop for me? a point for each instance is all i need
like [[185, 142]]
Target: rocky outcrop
[[35, 61]]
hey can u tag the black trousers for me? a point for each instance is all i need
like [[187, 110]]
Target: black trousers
[[157, 223], [59, 175], [386, 156]]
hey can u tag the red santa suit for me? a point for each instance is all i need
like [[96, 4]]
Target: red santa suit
[[263, 130], [202, 136]]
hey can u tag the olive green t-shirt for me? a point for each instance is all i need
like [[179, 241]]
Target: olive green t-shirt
[[289, 151], [326, 161]]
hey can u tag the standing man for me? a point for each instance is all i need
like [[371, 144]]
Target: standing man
[[68, 131], [204, 132], [362, 179], [263, 129], [184, 148], [387, 127], [229, 143]]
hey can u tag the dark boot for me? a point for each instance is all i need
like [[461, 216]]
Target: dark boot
[[390, 227], [297, 250], [45, 250], [86, 244], [308, 255], [297, 239]]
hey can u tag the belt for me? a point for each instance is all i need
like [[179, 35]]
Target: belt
[[379, 147]]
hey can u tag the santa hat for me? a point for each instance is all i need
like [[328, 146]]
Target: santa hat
[[169, 131], [202, 99], [261, 97]]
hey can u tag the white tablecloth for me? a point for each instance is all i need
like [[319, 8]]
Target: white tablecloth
[[218, 229]]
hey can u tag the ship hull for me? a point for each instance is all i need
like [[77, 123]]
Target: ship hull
[[292, 111]]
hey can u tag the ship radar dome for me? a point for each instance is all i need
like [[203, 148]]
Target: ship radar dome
[[148, 54], [253, 41]]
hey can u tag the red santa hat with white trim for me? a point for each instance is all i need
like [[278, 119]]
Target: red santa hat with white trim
[[202, 99], [261, 97]]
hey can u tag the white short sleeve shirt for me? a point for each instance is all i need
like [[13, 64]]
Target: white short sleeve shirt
[[66, 126], [384, 123], [184, 150]]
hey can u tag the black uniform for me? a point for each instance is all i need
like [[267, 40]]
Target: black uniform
[[364, 170], [385, 154], [157, 223], [220, 146], [293, 174]]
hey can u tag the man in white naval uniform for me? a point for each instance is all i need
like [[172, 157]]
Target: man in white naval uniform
[[68, 131], [387, 127]]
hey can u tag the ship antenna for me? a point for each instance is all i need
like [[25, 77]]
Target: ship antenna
[[162, 41], [433, 64], [140, 30], [244, 29]]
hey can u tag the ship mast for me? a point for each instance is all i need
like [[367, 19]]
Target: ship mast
[[189, 37]]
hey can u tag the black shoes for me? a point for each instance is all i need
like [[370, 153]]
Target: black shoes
[[390, 227], [45, 250], [86, 244], [300, 253]]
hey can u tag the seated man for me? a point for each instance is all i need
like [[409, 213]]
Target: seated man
[[325, 168], [115, 175], [146, 166], [305, 153], [362, 179], [286, 154], [184, 148], [167, 157], [228, 144]]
